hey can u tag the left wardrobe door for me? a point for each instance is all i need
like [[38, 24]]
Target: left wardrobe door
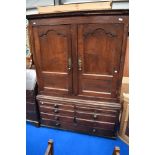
[[52, 56]]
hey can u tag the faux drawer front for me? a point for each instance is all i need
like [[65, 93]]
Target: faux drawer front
[[96, 116], [78, 128], [49, 110], [55, 104]]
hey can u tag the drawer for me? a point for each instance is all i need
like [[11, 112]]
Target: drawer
[[78, 128], [96, 116], [78, 121], [103, 125], [55, 104], [54, 117], [49, 110], [97, 110]]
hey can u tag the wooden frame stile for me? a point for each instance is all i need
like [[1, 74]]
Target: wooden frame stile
[[74, 58], [37, 58], [126, 27]]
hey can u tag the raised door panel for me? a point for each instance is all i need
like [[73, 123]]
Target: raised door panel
[[53, 56], [99, 52]]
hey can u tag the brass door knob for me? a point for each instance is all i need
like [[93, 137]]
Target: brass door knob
[[79, 64], [69, 64]]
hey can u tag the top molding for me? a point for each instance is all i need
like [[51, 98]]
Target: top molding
[[79, 13]]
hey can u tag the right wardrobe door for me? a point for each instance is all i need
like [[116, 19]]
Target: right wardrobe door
[[99, 53]]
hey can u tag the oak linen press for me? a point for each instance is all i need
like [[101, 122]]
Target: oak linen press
[[79, 58]]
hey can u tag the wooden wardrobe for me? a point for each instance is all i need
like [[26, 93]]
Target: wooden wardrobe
[[79, 59]]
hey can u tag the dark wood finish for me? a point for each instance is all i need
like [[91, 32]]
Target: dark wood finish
[[99, 52], [126, 64], [78, 128], [59, 111], [79, 59], [79, 13], [53, 51], [50, 148]]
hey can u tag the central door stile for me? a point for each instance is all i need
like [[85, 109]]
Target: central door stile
[[74, 59]]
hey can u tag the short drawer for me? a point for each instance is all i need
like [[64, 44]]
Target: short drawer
[[50, 110], [55, 104], [97, 110], [54, 117], [96, 116], [103, 125]]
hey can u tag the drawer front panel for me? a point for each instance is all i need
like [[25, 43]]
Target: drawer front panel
[[103, 125], [55, 104], [79, 128], [54, 117], [78, 121], [95, 116], [50, 110], [96, 110]]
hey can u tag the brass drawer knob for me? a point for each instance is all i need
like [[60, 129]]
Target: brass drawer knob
[[57, 124], [56, 105], [94, 116], [56, 110], [115, 71], [94, 130], [75, 119], [56, 118]]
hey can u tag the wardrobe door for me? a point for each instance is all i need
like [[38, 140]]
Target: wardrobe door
[[53, 59], [99, 52]]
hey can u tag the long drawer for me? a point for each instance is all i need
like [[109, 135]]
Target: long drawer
[[80, 107], [79, 121], [79, 128]]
